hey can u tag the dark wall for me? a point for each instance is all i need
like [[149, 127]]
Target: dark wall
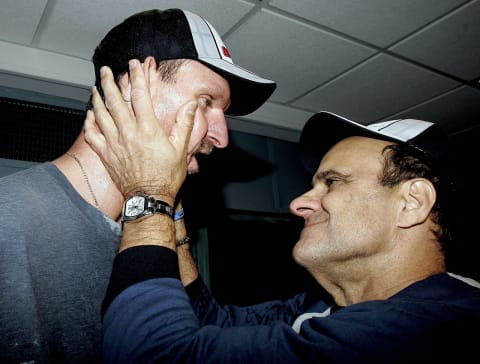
[[465, 252], [250, 250]]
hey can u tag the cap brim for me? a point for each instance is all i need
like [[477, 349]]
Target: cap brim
[[248, 90], [323, 130]]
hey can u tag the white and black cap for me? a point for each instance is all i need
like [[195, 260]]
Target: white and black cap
[[176, 34], [324, 129]]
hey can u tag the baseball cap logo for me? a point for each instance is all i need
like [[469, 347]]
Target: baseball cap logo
[[225, 52], [212, 52]]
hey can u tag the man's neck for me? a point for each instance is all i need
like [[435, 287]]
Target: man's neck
[[85, 171], [378, 280]]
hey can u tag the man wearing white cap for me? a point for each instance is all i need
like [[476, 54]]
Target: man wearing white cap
[[377, 230], [59, 219]]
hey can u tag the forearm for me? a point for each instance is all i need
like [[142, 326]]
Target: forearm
[[186, 262], [144, 254], [147, 251], [157, 229], [187, 265], [138, 264]]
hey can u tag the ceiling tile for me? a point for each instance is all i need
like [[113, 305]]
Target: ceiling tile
[[79, 35], [447, 45], [19, 19], [367, 59], [455, 111], [281, 116], [378, 22], [296, 55], [381, 86]]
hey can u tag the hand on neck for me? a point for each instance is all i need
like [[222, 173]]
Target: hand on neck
[[85, 171]]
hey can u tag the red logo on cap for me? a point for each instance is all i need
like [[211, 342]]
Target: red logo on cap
[[225, 51]]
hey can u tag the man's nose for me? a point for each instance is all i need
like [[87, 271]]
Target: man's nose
[[218, 131]]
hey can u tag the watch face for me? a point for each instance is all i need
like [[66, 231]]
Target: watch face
[[134, 206]]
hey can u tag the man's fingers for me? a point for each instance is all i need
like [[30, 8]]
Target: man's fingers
[[93, 136], [182, 130], [114, 101], [140, 95], [103, 119]]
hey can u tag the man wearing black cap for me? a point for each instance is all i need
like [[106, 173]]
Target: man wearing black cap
[[377, 228], [59, 219]]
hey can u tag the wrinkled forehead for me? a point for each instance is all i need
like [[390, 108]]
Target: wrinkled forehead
[[355, 152], [355, 144]]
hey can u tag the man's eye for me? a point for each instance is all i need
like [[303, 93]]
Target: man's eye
[[330, 181], [204, 102]]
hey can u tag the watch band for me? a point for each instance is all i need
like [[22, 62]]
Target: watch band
[[159, 206]]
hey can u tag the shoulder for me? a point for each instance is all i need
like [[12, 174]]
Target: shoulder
[[470, 281]]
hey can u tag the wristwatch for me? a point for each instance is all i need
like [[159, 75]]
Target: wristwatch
[[140, 205]]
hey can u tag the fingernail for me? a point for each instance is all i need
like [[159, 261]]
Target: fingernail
[[132, 63], [103, 71], [192, 106], [202, 102]]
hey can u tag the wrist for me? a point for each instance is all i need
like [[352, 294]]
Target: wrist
[[140, 206], [157, 229], [178, 215], [183, 241], [157, 192]]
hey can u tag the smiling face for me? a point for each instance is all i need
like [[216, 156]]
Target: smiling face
[[348, 214]]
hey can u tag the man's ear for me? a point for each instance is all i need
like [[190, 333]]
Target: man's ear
[[149, 64], [418, 197]]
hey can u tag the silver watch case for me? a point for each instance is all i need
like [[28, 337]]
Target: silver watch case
[[141, 205]]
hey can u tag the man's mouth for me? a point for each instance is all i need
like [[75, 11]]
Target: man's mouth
[[206, 147]]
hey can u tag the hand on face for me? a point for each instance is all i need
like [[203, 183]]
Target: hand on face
[[136, 151]]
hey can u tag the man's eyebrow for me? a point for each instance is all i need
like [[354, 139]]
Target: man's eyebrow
[[329, 173]]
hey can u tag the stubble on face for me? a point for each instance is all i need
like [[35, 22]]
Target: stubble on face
[[193, 80], [354, 217], [206, 148]]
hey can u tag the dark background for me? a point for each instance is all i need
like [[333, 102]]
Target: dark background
[[250, 252]]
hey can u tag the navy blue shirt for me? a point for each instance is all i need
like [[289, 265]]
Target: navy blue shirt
[[155, 319]]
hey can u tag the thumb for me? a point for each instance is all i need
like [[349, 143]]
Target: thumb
[[183, 128]]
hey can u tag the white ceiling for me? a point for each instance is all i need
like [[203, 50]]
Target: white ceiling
[[364, 59]]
